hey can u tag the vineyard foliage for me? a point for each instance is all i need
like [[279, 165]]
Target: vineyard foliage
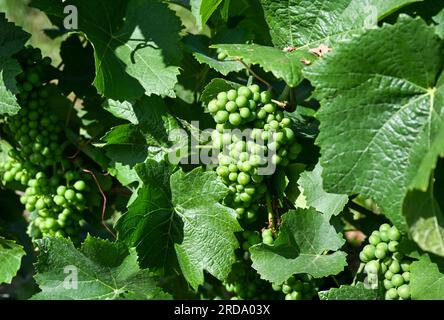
[[217, 149]]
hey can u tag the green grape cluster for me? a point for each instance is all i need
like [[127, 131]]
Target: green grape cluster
[[250, 134], [381, 257], [54, 192], [250, 238], [246, 284], [267, 237], [298, 287], [57, 203]]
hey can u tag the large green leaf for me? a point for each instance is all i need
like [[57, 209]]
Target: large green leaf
[[12, 40], [203, 9], [425, 220], [381, 113], [153, 133], [284, 65], [356, 292], [305, 241], [98, 270], [329, 204], [427, 279], [10, 259], [300, 23], [180, 219], [135, 41]]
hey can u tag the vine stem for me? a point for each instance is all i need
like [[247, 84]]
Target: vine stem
[[254, 74], [103, 201], [270, 211], [68, 117]]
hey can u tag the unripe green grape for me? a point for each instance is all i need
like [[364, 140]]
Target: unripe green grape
[[397, 280], [59, 200], [232, 95], [372, 267], [243, 178], [391, 294], [212, 107], [384, 235], [393, 246], [265, 97], [384, 227], [244, 91], [404, 291], [262, 114], [405, 266], [363, 257], [374, 239], [369, 251], [394, 234], [231, 106], [235, 119], [222, 56], [255, 88], [70, 195], [245, 197], [387, 284], [394, 267], [406, 276], [232, 176], [380, 254], [241, 101], [245, 113], [221, 116], [269, 108]]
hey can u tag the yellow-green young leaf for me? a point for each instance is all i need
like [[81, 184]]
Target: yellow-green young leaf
[[284, 65], [312, 188], [12, 39], [203, 9], [135, 41], [427, 278], [99, 270], [300, 23], [177, 219], [381, 114], [304, 238], [356, 292], [10, 259]]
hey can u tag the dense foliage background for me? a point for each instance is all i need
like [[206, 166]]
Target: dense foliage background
[[104, 193]]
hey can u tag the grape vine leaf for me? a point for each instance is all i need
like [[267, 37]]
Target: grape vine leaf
[[221, 66], [379, 125], [311, 186], [153, 133], [214, 87], [12, 40], [439, 20], [135, 41], [355, 292], [284, 65], [78, 74], [425, 221], [305, 238], [203, 9], [307, 23], [10, 259], [98, 270], [427, 278], [179, 217]]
